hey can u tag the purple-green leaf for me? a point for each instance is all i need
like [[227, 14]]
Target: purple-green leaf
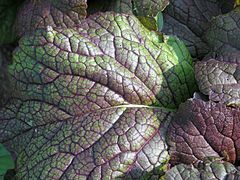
[[220, 80], [35, 14], [90, 100], [226, 93], [202, 129]]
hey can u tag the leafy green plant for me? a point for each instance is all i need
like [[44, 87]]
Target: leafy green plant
[[107, 89]]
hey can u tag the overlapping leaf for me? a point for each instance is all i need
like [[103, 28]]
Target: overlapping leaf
[[139, 8], [223, 37], [220, 80], [208, 169], [149, 7], [202, 129], [212, 72], [119, 6], [90, 100], [145, 10], [226, 93], [189, 19], [35, 14]]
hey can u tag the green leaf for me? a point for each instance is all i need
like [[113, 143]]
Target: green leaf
[[148, 22], [159, 21], [152, 23], [149, 7], [6, 161]]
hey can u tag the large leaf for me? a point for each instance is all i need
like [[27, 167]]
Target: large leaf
[[35, 14], [189, 19], [90, 100], [223, 36], [208, 169], [202, 129]]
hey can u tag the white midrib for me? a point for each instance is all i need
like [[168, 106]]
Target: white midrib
[[141, 106]]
